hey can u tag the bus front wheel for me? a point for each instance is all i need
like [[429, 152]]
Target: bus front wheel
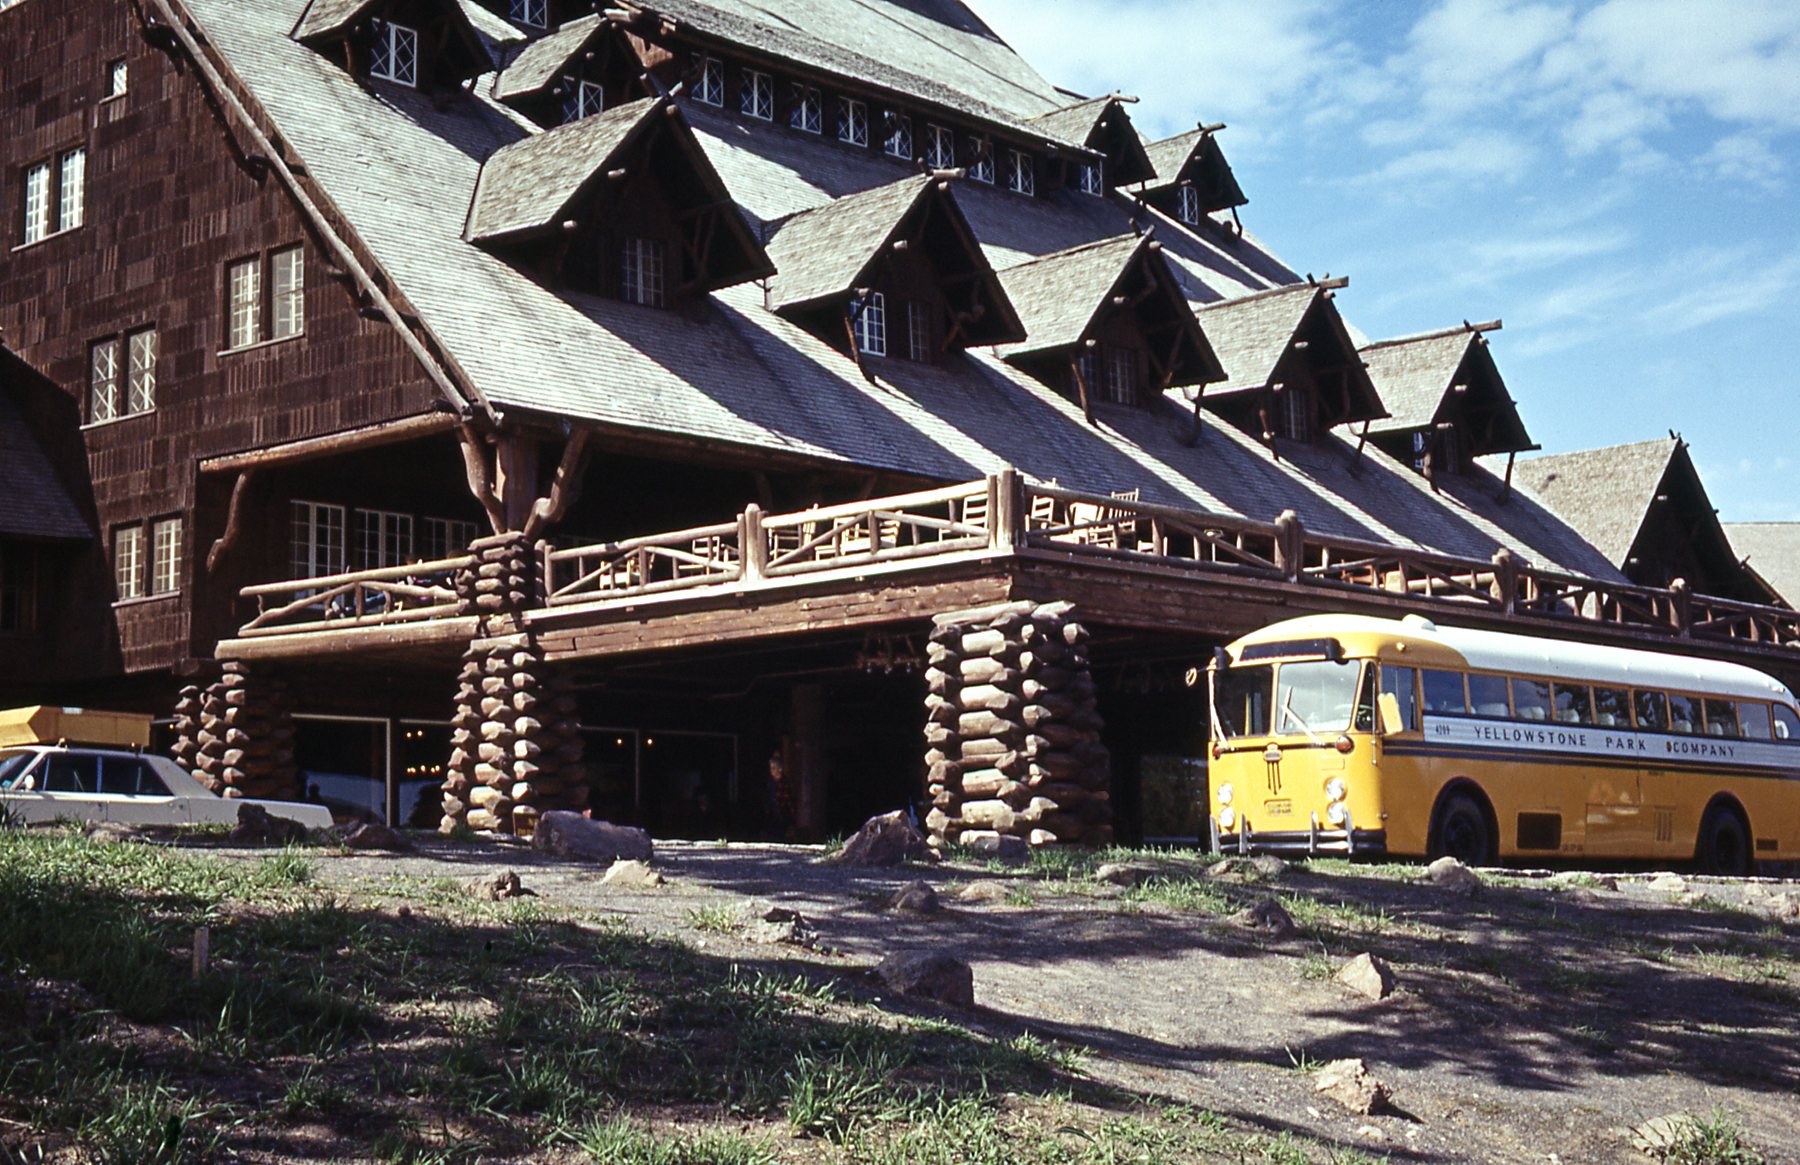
[[1462, 831], [1723, 846]]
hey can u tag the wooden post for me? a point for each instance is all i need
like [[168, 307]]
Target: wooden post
[[1006, 511], [1290, 545], [752, 543], [515, 478]]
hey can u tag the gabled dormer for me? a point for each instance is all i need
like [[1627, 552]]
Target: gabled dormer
[[1192, 177], [417, 44], [1107, 323], [623, 204], [583, 68], [1102, 125], [1291, 368], [1445, 399], [891, 272], [537, 17]]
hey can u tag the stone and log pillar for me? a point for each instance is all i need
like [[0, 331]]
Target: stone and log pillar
[[236, 735], [516, 745], [1012, 732]]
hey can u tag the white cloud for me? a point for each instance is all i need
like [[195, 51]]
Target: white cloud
[[1478, 155], [1745, 159]]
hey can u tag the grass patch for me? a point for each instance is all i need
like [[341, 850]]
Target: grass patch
[[1715, 1139]]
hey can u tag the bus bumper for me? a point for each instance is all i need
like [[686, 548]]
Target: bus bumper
[[1350, 841]]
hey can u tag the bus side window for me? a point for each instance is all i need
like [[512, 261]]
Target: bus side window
[[1398, 682], [1531, 699], [1684, 713], [1572, 704], [1787, 725], [1721, 718], [1753, 720], [1612, 708], [1487, 694], [1443, 692], [1652, 710]]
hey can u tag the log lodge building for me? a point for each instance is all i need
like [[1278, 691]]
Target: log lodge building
[[451, 410]]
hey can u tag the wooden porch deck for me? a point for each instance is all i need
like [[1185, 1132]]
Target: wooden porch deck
[[901, 559]]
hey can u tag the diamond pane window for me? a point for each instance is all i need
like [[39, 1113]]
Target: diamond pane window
[[1020, 177], [808, 114], [899, 141], [287, 315], [244, 313], [532, 12], [711, 90], [981, 160], [868, 319], [141, 376], [128, 562], [396, 54], [118, 75], [641, 272], [1187, 205], [853, 122], [1092, 178], [103, 381], [165, 555], [940, 147], [757, 97]]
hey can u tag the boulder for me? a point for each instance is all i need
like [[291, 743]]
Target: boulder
[[1670, 884], [780, 924], [1348, 1082], [369, 835], [1368, 976], [1123, 874], [1450, 874], [1267, 916], [916, 898], [985, 891], [887, 840], [257, 826], [570, 835], [1260, 868], [496, 887], [631, 872], [929, 975], [1659, 1135], [986, 843]]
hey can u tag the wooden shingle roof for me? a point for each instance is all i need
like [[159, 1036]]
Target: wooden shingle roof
[[1604, 493], [823, 253], [1773, 551], [541, 62], [530, 185], [1195, 157], [1441, 376], [1101, 124], [33, 502], [1252, 333]]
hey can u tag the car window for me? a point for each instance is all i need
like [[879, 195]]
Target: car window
[[1531, 699], [1612, 707], [1753, 720], [1684, 713], [13, 766], [130, 777], [70, 773], [1721, 718], [1443, 692], [1652, 710], [1572, 704], [1487, 694]]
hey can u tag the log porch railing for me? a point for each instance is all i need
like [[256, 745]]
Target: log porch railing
[[1003, 515]]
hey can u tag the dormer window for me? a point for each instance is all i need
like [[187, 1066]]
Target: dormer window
[[940, 147], [899, 141], [711, 90], [1294, 416], [868, 320], [395, 55], [853, 122], [586, 100], [1092, 178], [641, 272], [1187, 205], [1109, 373], [981, 163], [1021, 176], [757, 97], [532, 13], [920, 343], [808, 114]]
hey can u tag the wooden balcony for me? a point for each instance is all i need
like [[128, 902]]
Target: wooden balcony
[[905, 557]]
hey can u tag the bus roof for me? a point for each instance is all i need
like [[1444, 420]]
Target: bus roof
[[1366, 635]]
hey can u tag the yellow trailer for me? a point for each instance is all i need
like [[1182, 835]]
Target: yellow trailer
[[41, 724]]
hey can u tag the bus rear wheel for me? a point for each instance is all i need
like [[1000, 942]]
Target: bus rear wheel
[[1723, 846], [1462, 831]]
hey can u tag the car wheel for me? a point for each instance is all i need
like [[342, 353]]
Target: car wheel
[[1462, 831], [1723, 846]]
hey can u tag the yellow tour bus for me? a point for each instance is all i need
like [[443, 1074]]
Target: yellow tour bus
[[1348, 734]]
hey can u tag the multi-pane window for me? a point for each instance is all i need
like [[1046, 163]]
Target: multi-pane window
[[981, 160], [1021, 177], [918, 331], [940, 147], [165, 555], [118, 75], [287, 298], [757, 97], [535, 13], [1121, 376], [1296, 415], [868, 320], [1091, 178], [395, 56], [383, 539], [103, 380], [122, 376], [243, 310], [711, 90], [1087, 372], [140, 372], [128, 562], [899, 140], [641, 272], [315, 539], [445, 538], [1187, 204], [853, 121], [259, 308], [808, 113], [585, 100], [55, 195]]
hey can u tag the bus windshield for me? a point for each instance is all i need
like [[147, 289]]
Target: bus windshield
[[1316, 697], [1241, 700]]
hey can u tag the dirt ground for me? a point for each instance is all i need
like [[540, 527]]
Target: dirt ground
[[1537, 1019]]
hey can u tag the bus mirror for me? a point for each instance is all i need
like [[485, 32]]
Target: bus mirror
[[1391, 721]]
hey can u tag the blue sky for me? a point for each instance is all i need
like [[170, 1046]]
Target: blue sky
[[1614, 179]]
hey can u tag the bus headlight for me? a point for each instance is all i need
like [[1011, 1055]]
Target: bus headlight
[[1336, 813], [1334, 789], [1225, 792], [1227, 818]]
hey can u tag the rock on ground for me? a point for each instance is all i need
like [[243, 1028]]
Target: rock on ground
[[916, 898], [887, 840], [1260, 868], [1348, 1082], [929, 975], [985, 891], [1659, 1134], [496, 887], [1268, 917], [257, 826], [570, 835], [369, 835], [986, 843], [1452, 875], [631, 872], [1367, 975], [1123, 874]]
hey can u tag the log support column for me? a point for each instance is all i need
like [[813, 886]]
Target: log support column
[[516, 744], [1012, 733], [236, 735]]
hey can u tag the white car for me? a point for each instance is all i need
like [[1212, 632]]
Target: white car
[[44, 783]]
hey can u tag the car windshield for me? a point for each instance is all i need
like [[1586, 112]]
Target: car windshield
[[1316, 697], [13, 766]]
